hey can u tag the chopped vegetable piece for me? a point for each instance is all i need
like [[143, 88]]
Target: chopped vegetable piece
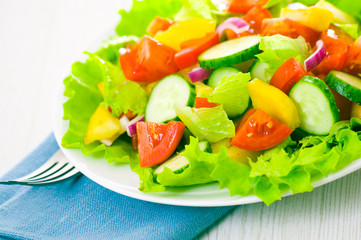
[[148, 61], [314, 60], [315, 104], [211, 124], [171, 90], [202, 102], [336, 52], [287, 75], [103, 125], [338, 15], [236, 24], [191, 49], [353, 59], [182, 31], [233, 94], [243, 6], [289, 28], [158, 24], [254, 18], [157, 141], [274, 102], [345, 84], [318, 19], [230, 52], [199, 74], [217, 75], [259, 131]]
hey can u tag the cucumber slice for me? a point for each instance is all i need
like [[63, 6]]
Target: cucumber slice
[[315, 104], [345, 84], [179, 162], [171, 90], [217, 75], [230, 52], [258, 70]]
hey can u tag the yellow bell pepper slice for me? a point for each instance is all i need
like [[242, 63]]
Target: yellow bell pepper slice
[[185, 30], [203, 90], [101, 88], [103, 125], [339, 16], [274, 102], [318, 19]]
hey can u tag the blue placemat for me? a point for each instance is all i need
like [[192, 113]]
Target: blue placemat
[[81, 209]]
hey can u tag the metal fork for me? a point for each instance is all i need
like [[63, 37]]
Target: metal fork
[[56, 169]]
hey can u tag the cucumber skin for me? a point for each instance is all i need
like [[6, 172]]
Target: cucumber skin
[[327, 92], [211, 81], [190, 103], [350, 92], [229, 61]]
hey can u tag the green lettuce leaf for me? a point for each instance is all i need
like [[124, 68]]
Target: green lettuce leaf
[[146, 178], [211, 124], [295, 166], [109, 51], [135, 21], [195, 9], [83, 99], [201, 164], [233, 175], [232, 92], [119, 93], [277, 49]]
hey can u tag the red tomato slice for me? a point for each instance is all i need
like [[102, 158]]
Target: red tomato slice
[[157, 141], [158, 24], [290, 72], [336, 51], [148, 61], [289, 28], [191, 49], [201, 102], [259, 131], [353, 58], [254, 18], [243, 6]]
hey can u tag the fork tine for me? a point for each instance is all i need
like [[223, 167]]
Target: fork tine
[[56, 169]]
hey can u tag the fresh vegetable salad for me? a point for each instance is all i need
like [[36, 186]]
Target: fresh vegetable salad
[[260, 96]]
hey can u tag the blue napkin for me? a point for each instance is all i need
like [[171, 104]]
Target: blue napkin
[[81, 209]]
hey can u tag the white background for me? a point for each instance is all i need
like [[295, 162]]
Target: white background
[[38, 40]]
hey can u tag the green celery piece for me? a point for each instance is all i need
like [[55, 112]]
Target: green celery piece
[[136, 20], [109, 51], [232, 92], [211, 124], [201, 164], [277, 49], [195, 9]]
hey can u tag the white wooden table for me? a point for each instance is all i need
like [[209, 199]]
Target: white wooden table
[[38, 40]]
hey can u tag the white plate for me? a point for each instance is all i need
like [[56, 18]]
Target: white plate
[[121, 179]]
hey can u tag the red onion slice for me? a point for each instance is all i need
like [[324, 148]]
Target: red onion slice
[[236, 24], [132, 125], [316, 58], [199, 74]]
